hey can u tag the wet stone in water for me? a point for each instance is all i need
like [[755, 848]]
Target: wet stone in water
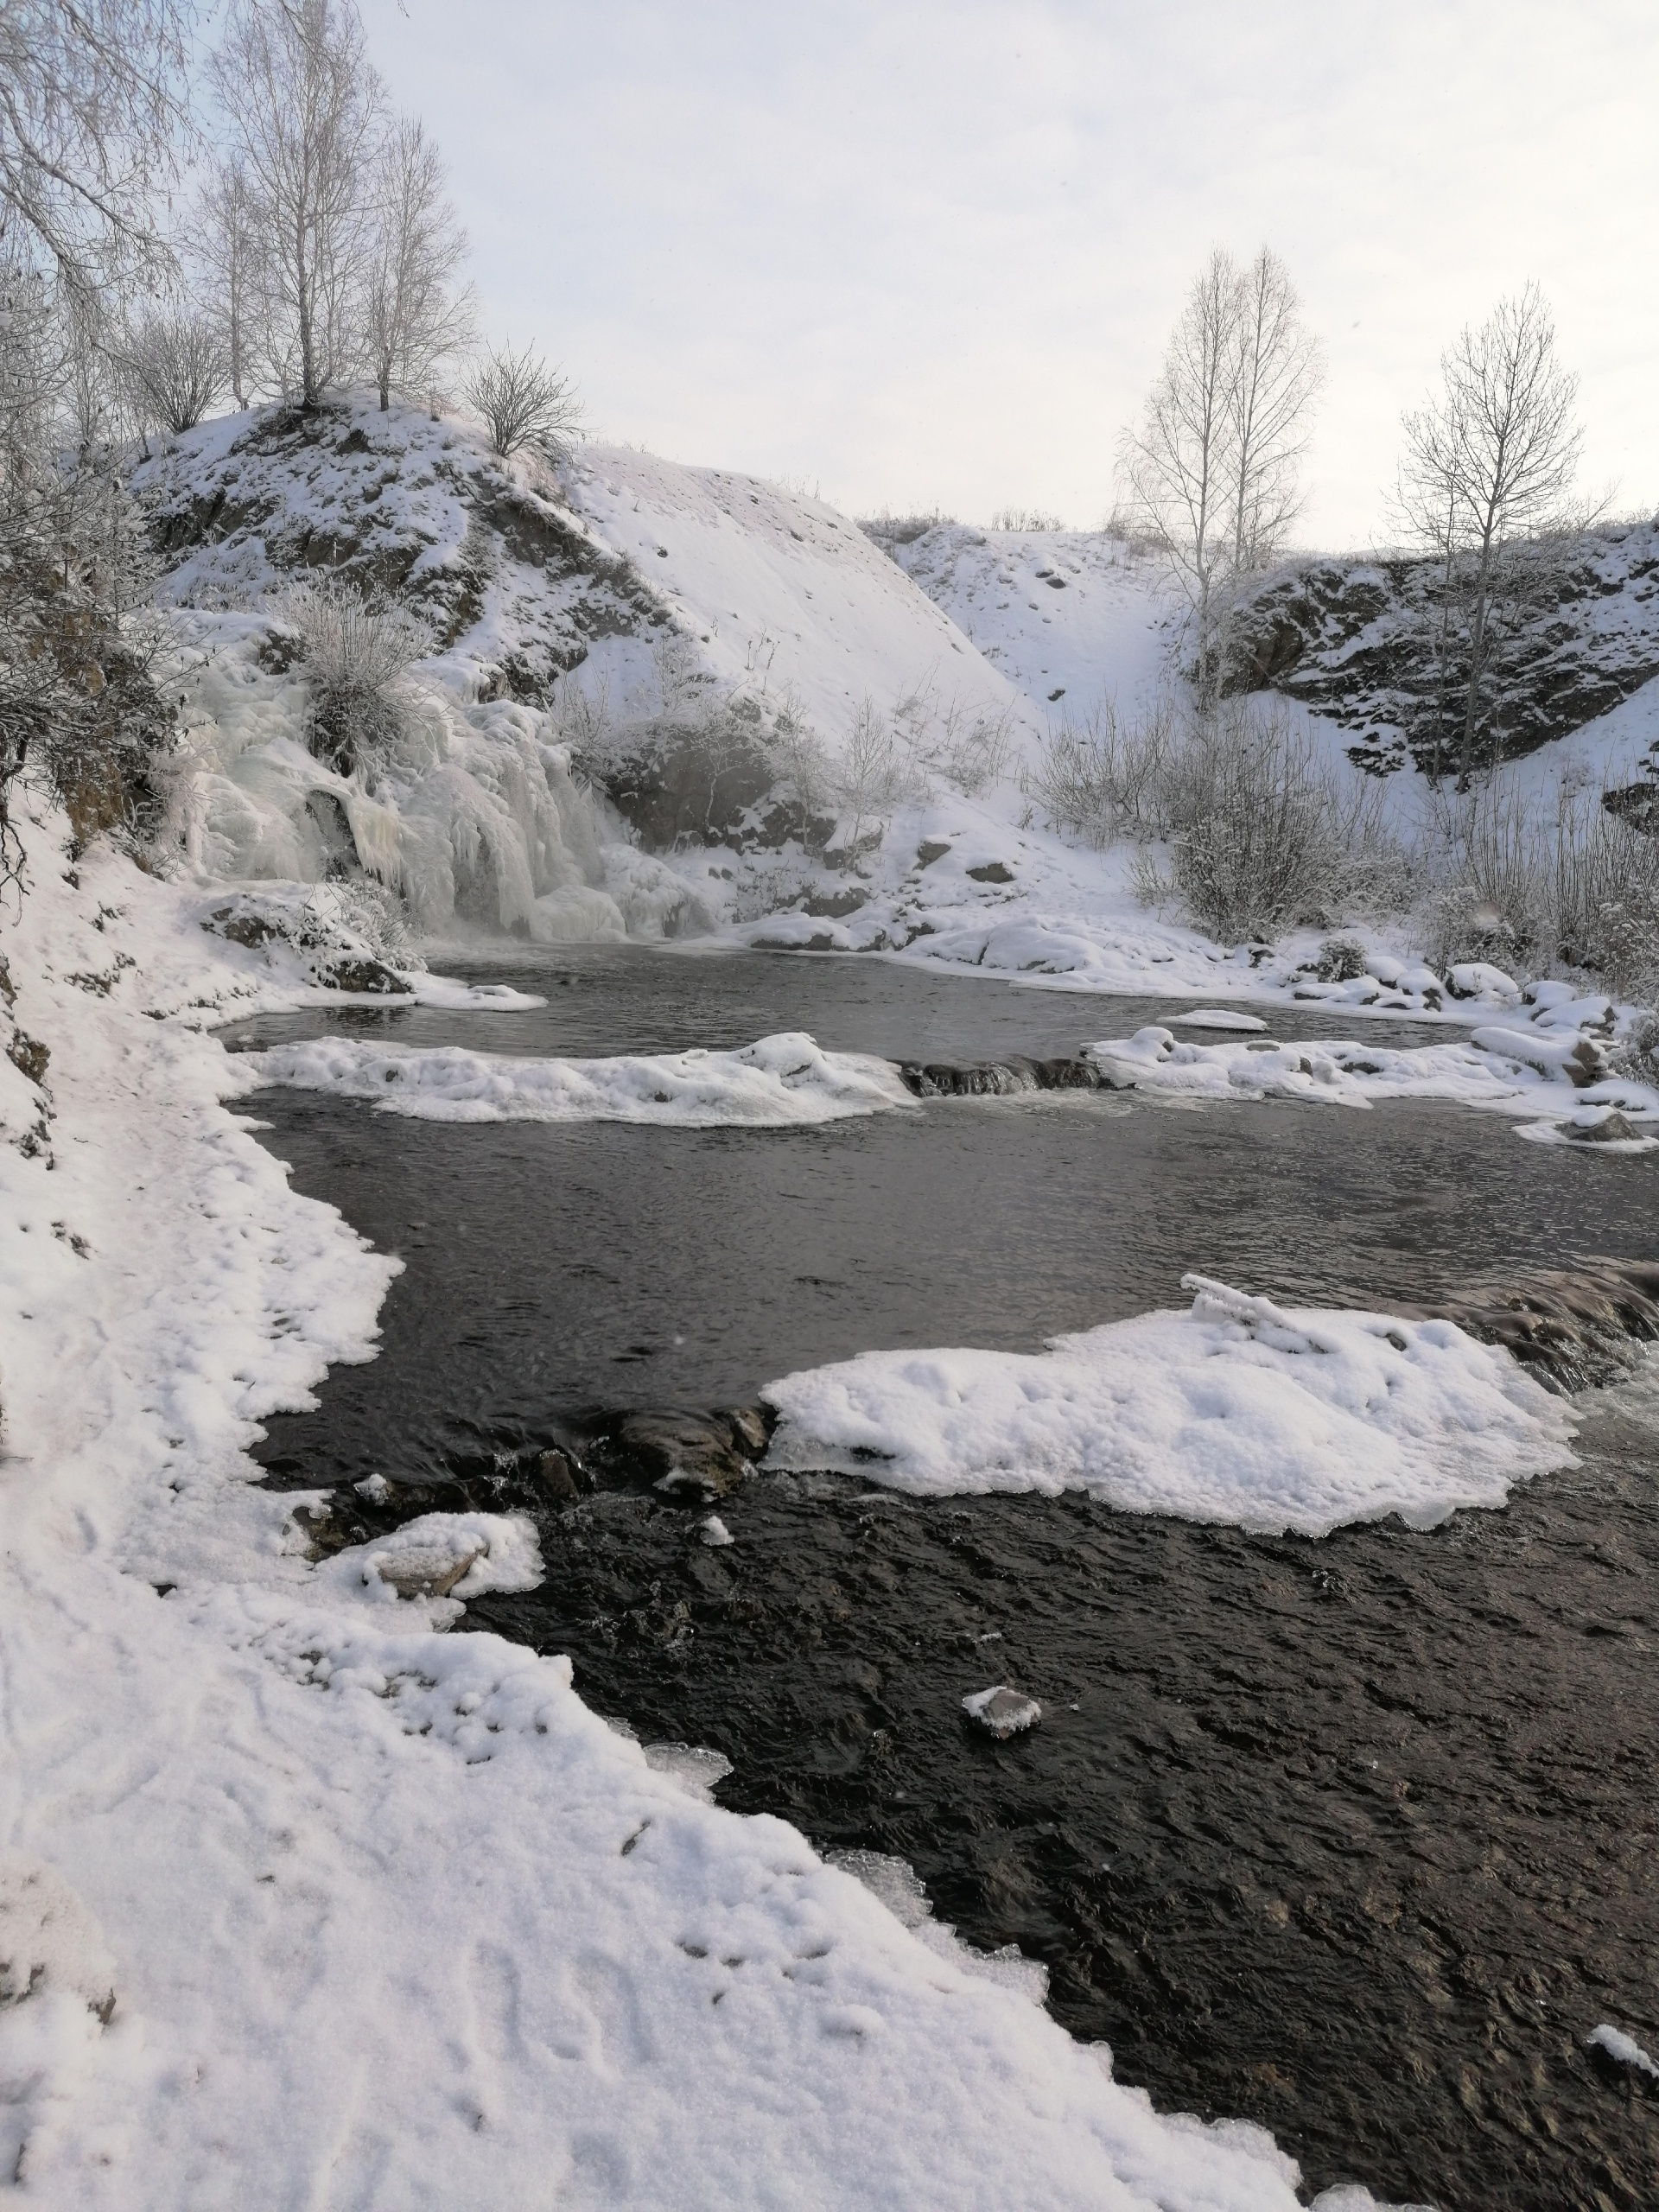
[[1003, 1711]]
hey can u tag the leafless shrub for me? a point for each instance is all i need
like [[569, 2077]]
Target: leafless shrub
[[176, 366], [969, 748], [1637, 1054], [357, 655], [890, 530], [1027, 520], [1578, 888], [801, 764], [1102, 779], [1262, 831], [524, 401], [876, 772]]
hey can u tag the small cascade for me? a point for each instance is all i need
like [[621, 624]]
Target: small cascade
[[476, 820]]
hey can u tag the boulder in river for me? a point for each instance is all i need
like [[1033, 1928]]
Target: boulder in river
[[1610, 1127], [695, 1456], [1001, 1711]]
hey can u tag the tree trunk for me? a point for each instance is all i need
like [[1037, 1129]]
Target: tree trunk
[[1477, 655]]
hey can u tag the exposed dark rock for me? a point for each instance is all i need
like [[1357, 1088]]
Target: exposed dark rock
[[558, 1478], [1003, 1078], [1002, 1711], [992, 871], [694, 1456], [28, 1055], [1637, 804], [557, 588], [1571, 1327], [831, 906], [686, 785], [1610, 1128], [363, 975], [1359, 640], [929, 850]]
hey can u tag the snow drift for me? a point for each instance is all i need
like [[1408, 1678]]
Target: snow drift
[[781, 1082]]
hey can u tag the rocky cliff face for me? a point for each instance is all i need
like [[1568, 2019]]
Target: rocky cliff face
[[1378, 646]]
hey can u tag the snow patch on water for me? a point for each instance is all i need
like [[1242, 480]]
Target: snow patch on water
[[1240, 1411], [780, 1082], [1549, 1068]]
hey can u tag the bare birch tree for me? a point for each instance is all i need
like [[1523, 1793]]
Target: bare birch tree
[[1491, 465], [417, 316], [305, 116], [223, 244], [89, 112], [1178, 466], [1278, 369], [1212, 473]]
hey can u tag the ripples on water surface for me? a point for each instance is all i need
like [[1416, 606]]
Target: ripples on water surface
[[1353, 1838]]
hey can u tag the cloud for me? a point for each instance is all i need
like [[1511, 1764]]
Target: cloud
[[930, 252]]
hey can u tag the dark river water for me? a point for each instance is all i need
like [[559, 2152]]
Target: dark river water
[[1354, 1838]]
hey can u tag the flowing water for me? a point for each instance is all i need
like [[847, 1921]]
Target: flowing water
[[1353, 1838]]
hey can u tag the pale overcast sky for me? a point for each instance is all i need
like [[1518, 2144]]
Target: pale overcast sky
[[928, 252]]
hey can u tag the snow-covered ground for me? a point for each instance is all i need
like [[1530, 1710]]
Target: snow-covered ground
[[307, 1898], [1066, 615]]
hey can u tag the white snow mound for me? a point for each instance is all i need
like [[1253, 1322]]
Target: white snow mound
[[1240, 1411], [1544, 1070], [780, 1082]]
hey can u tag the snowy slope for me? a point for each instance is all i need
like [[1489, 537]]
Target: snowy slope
[[1354, 639], [1072, 615], [524, 572], [777, 590]]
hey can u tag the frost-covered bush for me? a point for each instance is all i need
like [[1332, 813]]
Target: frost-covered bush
[[802, 769], [371, 913], [876, 772], [1578, 887], [969, 748], [79, 704], [1102, 779], [356, 656], [1637, 1054], [1342, 960], [1263, 830]]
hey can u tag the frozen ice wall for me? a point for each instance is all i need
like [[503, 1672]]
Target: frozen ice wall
[[475, 819]]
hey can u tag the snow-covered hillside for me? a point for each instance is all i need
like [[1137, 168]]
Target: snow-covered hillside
[[1576, 631], [1072, 615], [524, 574], [647, 683]]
